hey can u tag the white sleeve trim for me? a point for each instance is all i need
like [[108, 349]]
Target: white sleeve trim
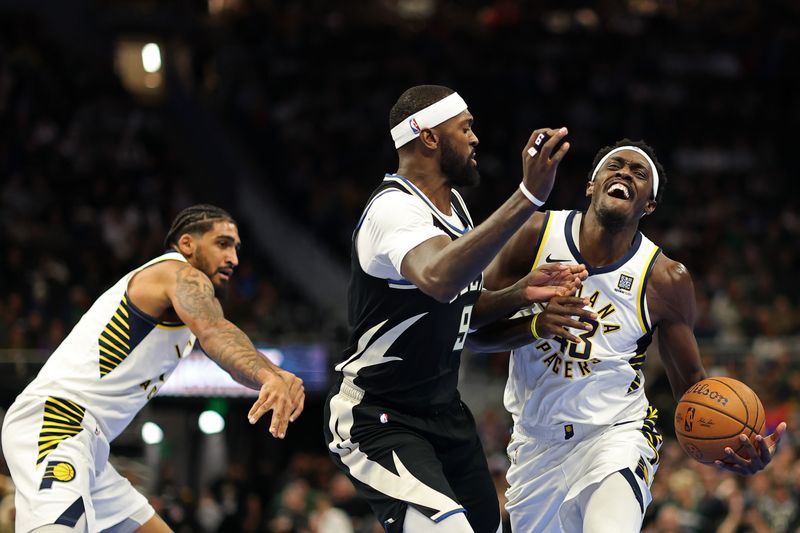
[[394, 224]]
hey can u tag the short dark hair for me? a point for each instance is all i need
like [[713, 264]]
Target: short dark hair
[[646, 148], [196, 219], [415, 99]]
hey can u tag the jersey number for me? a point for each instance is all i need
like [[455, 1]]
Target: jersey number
[[586, 338], [463, 328]]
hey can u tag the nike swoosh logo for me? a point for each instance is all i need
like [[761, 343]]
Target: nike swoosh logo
[[549, 259]]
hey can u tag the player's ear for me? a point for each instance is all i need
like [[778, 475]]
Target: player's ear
[[589, 188], [186, 244], [650, 206], [429, 138]]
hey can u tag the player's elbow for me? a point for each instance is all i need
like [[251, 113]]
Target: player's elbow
[[207, 334], [440, 289], [442, 294]]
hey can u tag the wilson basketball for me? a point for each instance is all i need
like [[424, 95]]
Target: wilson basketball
[[713, 413]]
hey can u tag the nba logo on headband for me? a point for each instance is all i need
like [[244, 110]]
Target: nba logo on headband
[[429, 117], [415, 129]]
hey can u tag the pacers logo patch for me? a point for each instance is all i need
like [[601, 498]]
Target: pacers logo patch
[[57, 471]]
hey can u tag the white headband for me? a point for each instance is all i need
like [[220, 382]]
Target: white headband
[[433, 115], [638, 151]]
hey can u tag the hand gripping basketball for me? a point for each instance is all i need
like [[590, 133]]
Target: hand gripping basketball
[[719, 421]]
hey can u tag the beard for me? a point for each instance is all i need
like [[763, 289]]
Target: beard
[[220, 286], [612, 220], [460, 172]]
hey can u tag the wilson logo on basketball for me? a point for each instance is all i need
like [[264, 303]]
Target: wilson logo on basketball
[[704, 390]]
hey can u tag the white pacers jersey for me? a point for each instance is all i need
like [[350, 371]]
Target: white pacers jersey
[[599, 382], [111, 364]]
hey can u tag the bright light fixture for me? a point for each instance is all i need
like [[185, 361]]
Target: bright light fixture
[[211, 422], [151, 57], [152, 433]]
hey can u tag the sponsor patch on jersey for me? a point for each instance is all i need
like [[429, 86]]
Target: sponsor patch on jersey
[[57, 471], [625, 282]]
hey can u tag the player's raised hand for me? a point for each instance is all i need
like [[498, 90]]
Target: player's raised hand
[[560, 314], [540, 162], [274, 396], [753, 458]]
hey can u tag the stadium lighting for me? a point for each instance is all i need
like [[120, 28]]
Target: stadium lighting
[[211, 422], [152, 433], [151, 57]]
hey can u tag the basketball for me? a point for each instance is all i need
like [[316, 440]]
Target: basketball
[[713, 413]]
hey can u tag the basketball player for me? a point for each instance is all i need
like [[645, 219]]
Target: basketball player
[[585, 446], [56, 434], [395, 422]]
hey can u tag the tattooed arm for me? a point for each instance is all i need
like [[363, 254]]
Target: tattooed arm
[[192, 296]]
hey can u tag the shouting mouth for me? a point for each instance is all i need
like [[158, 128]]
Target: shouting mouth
[[620, 190]]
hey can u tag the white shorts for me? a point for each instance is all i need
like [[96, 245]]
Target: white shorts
[[58, 459], [548, 474]]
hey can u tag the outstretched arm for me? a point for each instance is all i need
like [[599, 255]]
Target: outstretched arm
[[192, 297], [441, 267]]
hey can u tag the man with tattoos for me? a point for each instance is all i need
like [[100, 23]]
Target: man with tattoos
[[56, 434]]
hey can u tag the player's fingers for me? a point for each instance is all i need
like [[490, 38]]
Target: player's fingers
[[736, 469], [555, 138], [552, 268], [755, 462], [261, 406], [298, 396], [772, 440], [258, 411], [548, 331], [530, 149], [559, 155], [263, 396], [557, 327], [570, 301], [280, 419], [251, 415], [763, 450], [299, 405]]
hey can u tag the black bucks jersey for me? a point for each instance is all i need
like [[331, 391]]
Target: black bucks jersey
[[599, 381], [405, 347]]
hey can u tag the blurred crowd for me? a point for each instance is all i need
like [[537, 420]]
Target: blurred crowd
[[90, 179]]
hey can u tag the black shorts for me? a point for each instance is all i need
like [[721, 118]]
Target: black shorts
[[434, 461]]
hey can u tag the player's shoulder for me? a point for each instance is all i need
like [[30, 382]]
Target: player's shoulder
[[532, 228], [393, 197], [670, 277], [392, 208], [164, 271]]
